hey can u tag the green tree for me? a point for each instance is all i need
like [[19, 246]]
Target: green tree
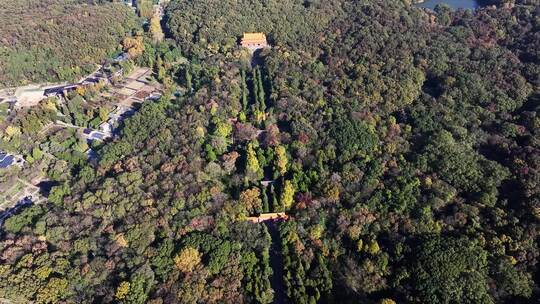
[[448, 269], [353, 137], [265, 203], [189, 80], [244, 89], [55, 290]]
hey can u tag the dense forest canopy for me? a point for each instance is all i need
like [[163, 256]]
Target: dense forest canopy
[[53, 40], [402, 143]]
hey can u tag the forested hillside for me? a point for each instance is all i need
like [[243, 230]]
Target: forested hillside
[[53, 40], [402, 143]]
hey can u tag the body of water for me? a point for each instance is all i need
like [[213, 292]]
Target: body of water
[[470, 4]]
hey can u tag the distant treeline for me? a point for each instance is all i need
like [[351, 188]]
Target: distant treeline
[[54, 40]]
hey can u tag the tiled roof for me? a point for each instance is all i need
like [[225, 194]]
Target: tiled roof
[[248, 37]]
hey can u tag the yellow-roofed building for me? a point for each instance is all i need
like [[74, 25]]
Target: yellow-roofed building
[[254, 41], [263, 217]]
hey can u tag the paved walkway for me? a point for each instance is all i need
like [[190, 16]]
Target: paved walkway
[[276, 262]]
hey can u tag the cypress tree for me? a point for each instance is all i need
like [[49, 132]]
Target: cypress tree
[[255, 89], [266, 207], [262, 104], [244, 91], [188, 77], [275, 203]]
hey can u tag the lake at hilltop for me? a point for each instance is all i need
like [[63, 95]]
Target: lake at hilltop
[[470, 4]]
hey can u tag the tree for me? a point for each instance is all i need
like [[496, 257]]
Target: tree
[[103, 113], [81, 90], [188, 78], [223, 129], [265, 202], [17, 222], [281, 161], [353, 137], [155, 28], [287, 195], [122, 290], [160, 69], [55, 289], [460, 165], [244, 89], [245, 131], [251, 200], [373, 247], [252, 163], [187, 259], [510, 280], [12, 131], [448, 269], [145, 9], [276, 206], [134, 46], [140, 285], [37, 154], [258, 82]]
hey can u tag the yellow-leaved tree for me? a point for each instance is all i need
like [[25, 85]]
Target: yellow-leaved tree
[[133, 46], [122, 290], [145, 8], [12, 131], [223, 129], [187, 259], [281, 160], [155, 29], [252, 166]]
